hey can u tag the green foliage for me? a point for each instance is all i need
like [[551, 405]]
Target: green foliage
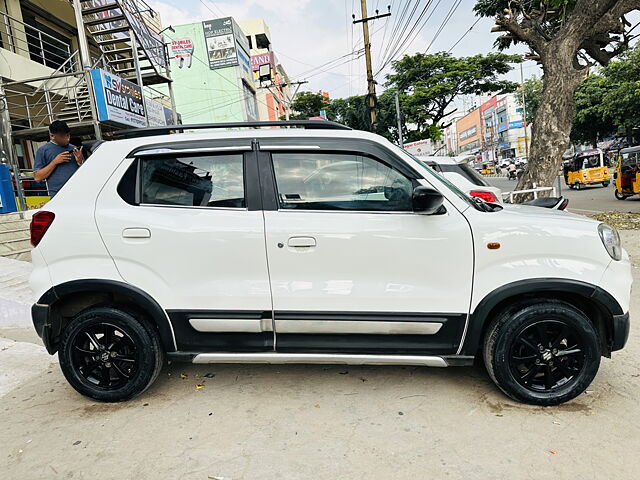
[[428, 84], [592, 121], [621, 102], [529, 94], [307, 104]]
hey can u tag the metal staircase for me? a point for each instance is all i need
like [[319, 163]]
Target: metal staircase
[[119, 28]]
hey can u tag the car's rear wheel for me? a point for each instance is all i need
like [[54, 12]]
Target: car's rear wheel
[[579, 186], [542, 353], [110, 355], [605, 184], [619, 196]]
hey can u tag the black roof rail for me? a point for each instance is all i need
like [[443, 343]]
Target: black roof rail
[[151, 131]]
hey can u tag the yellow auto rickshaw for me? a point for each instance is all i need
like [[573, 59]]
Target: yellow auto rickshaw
[[587, 168], [627, 176], [488, 169]]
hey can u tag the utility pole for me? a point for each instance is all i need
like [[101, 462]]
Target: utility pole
[[399, 116], [371, 97], [524, 111], [288, 100]]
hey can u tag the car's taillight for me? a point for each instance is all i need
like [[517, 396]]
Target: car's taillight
[[564, 204], [484, 195], [40, 223]]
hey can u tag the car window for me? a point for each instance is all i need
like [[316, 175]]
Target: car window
[[194, 181], [467, 172], [327, 181]]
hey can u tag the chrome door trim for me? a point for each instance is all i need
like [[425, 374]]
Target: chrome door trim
[[320, 358], [333, 327], [231, 325]]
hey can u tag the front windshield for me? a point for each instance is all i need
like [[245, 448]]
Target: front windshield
[[439, 178]]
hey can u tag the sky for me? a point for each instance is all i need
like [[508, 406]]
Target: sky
[[315, 39]]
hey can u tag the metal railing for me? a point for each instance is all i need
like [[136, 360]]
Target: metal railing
[[60, 96], [21, 38], [535, 190]]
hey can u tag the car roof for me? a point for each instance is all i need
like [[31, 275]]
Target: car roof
[[631, 149]]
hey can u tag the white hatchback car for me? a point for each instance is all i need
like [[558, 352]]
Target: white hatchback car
[[459, 172], [309, 245]]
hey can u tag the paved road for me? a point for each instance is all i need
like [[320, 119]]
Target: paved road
[[323, 422], [590, 200]]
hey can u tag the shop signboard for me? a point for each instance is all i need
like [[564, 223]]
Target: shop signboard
[[119, 101], [263, 66], [516, 124], [155, 113], [182, 52], [221, 42]]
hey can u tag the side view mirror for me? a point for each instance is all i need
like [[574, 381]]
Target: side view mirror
[[426, 200]]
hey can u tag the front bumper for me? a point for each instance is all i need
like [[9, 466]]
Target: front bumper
[[40, 314], [620, 334]]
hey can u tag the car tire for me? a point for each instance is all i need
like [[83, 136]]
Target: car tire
[[605, 184], [542, 352], [578, 186], [110, 355]]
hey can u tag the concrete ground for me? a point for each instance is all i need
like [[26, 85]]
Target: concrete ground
[[321, 422], [589, 200]]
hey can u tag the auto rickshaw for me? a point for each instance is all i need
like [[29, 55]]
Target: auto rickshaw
[[488, 168], [627, 176], [587, 168]]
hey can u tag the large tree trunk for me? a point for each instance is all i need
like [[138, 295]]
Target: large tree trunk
[[552, 124]]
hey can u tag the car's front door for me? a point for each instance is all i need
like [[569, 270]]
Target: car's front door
[[352, 267], [184, 227]]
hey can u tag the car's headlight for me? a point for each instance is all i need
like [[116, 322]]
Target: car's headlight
[[610, 240]]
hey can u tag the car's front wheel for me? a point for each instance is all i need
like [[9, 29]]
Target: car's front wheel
[[542, 353], [110, 355]]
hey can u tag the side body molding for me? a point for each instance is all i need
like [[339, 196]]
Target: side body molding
[[586, 294], [143, 301]]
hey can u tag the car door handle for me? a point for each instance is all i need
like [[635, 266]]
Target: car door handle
[[136, 233], [303, 242]]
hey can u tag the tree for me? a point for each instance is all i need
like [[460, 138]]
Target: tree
[[529, 95], [621, 99], [566, 37], [429, 83], [307, 104], [591, 121]]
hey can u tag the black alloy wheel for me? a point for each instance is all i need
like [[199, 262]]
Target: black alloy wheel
[[105, 356], [546, 355], [542, 351], [109, 354]]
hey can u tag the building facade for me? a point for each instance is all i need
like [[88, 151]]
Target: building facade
[[212, 73], [512, 138], [469, 131], [92, 63], [273, 91]]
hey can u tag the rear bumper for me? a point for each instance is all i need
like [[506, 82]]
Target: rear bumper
[[40, 314], [620, 334]]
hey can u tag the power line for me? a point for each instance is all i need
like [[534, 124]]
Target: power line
[[450, 14], [464, 35], [409, 39]]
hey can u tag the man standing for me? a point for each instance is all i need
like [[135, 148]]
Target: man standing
[[54, 161]]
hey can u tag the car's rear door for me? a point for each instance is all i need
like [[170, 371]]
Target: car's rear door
[[183, 222], [352, 267]]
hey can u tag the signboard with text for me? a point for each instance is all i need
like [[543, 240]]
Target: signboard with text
[[118, 101], [182, 52], [220, 42]]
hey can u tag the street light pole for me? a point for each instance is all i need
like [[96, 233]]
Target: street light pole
[[524, 111], [399, 117]]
